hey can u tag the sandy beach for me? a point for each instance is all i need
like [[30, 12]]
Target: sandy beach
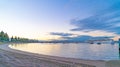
[[15, 58]]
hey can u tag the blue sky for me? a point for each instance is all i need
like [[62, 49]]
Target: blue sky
[[44, 19]]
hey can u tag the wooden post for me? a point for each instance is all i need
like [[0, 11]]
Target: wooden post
[[119, 47]]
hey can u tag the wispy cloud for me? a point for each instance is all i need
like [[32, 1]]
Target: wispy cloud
[[61, 34], [84, 38], [106, 20], [104, 24]]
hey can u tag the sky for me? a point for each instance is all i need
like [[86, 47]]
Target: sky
[[55, 19]]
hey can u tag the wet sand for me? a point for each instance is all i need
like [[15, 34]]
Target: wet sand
[[15, 58]]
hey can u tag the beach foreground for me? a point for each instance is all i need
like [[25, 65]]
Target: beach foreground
[[15, 58], [12, 59]]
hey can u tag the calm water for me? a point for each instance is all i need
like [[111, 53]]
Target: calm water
[[73, 50]]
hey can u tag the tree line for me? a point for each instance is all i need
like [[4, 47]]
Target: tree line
[[4, 37]]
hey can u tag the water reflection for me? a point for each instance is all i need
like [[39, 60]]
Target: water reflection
[[79, 50]]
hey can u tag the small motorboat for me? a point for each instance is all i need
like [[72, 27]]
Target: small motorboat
[[98, 43], [91, 42]]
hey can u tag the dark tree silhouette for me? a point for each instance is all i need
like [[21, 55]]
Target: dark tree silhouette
[[4, 37]]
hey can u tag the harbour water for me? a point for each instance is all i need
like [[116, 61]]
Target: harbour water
[[72, 50]]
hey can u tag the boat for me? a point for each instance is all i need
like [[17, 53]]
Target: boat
[[98, 43]]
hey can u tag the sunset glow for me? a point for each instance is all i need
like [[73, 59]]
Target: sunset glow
[[36, 19]]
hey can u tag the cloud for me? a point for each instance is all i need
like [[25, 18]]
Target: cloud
[[61, 34], [83, 38], [106, 20], [78, 38]]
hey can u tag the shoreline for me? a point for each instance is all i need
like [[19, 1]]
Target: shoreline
[[67, 62]]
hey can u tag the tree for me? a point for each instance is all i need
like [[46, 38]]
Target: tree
[[4, 36]]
